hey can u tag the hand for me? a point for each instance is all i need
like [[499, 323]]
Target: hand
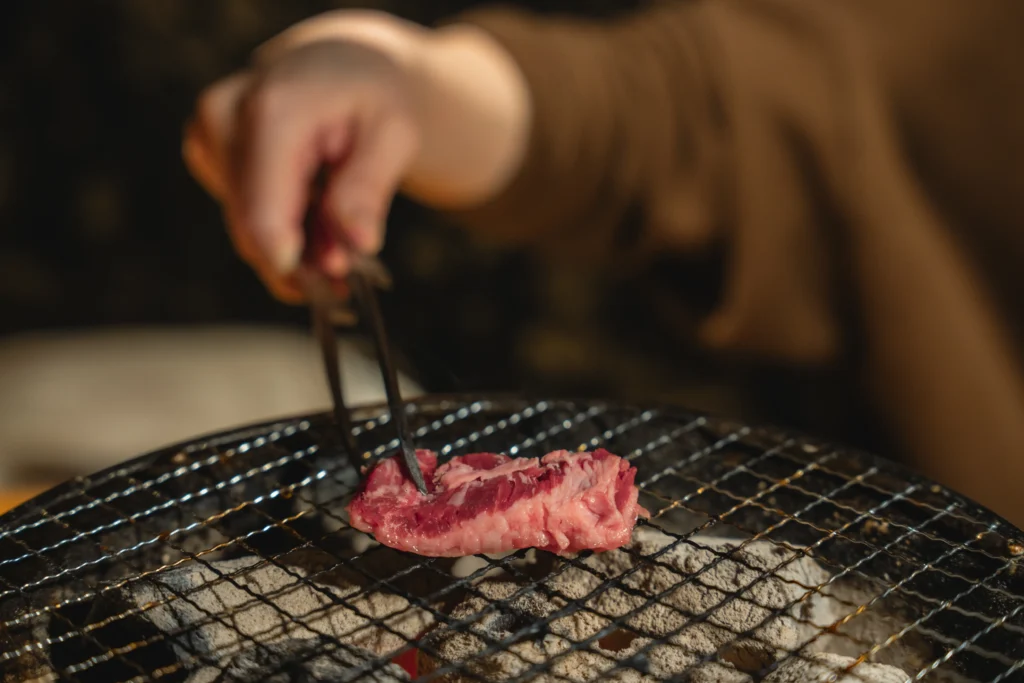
[[379, 105]]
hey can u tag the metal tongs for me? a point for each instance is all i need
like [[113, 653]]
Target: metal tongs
[[365, 275]]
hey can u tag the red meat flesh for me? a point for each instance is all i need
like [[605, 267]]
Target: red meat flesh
[[487, 503]]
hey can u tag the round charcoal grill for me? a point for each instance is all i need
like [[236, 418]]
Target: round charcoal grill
[[229, 559]]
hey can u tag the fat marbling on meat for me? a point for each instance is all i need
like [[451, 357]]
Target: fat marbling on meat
[[486, 503]]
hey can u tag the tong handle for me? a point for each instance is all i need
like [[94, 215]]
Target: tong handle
[[326, 314], [362, 289], [321, 297], [366, 273]]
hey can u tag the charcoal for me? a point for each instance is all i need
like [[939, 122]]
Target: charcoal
[[302, 661], [225, 607]]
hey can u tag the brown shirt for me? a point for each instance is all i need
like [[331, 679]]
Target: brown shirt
[[857, 163]]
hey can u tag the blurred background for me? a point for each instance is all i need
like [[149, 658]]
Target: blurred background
[[129, 323]]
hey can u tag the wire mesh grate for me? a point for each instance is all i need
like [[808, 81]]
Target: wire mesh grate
[[767, 557]]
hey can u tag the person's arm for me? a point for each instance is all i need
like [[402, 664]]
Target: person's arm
[[624, 126], [858, 164]]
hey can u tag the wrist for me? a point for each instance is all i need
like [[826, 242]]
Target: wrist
[[475, 110]]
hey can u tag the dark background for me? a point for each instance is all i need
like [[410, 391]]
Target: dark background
[[100, 225]]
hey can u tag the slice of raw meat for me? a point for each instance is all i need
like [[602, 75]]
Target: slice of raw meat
[[487, 503]]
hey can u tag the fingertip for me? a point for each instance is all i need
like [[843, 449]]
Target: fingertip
[[354, 225], [361, 228], [368, 237], [334, 261]]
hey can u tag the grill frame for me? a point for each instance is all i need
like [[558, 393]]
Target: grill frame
[[713, 438]]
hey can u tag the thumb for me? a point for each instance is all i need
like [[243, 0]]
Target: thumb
[[359, 191]]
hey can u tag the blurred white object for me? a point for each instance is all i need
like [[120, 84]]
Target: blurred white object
[[73, 403]]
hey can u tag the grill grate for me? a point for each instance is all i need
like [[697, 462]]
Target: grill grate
[[230, 559]]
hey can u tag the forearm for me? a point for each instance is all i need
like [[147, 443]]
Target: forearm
[[849, 174], [621, 111]]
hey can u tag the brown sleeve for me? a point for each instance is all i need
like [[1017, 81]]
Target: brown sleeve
[[858, 162]]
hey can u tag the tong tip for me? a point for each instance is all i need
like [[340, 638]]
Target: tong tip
[[413, 465]]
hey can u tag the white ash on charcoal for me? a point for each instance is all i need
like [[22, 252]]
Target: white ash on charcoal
[[469, 565], [729, 611], [537, 646], [736, 585], [886, 617], [491, 566], [615, 656], [234, 605], [714, 672], [831, 668], [202, 615], [712, 593], [816, 668], [362, 542], [302, 661], [267, 602], [348, 559]]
